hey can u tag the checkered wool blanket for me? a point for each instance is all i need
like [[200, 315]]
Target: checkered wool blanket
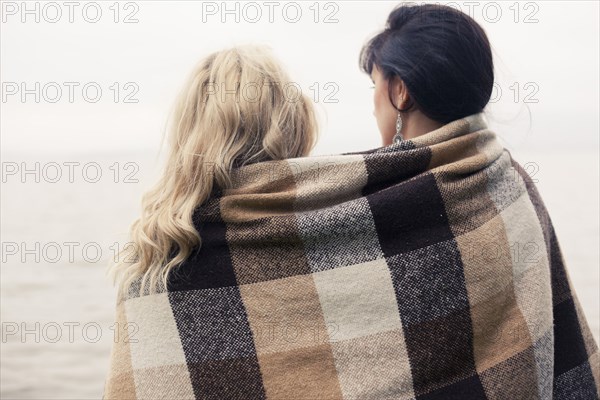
[[428, 269]]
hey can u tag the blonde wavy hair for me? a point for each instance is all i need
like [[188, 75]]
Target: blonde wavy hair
[[235, 109]]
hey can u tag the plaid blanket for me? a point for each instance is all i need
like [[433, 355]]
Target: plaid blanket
[[427, 269]]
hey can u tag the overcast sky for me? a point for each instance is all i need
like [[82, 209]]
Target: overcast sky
[[545, 53]]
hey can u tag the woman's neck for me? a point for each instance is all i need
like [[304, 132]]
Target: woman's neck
[[418, 124]]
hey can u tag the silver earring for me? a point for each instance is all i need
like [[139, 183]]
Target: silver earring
[[398, 136]]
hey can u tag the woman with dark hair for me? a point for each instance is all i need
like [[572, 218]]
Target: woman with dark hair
[[432, 68], [427, 268], [431, 65]]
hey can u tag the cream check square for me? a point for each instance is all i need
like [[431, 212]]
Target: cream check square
[[358, 300], [154, 338]]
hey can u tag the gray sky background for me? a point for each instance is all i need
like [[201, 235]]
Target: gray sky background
[[552, 65]]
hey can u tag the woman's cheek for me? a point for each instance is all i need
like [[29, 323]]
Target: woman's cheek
[[377, 103]]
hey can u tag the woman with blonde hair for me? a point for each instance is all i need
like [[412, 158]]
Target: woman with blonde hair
[[239, 107]]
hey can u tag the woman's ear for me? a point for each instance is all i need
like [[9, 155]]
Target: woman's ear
[[399, 92]]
